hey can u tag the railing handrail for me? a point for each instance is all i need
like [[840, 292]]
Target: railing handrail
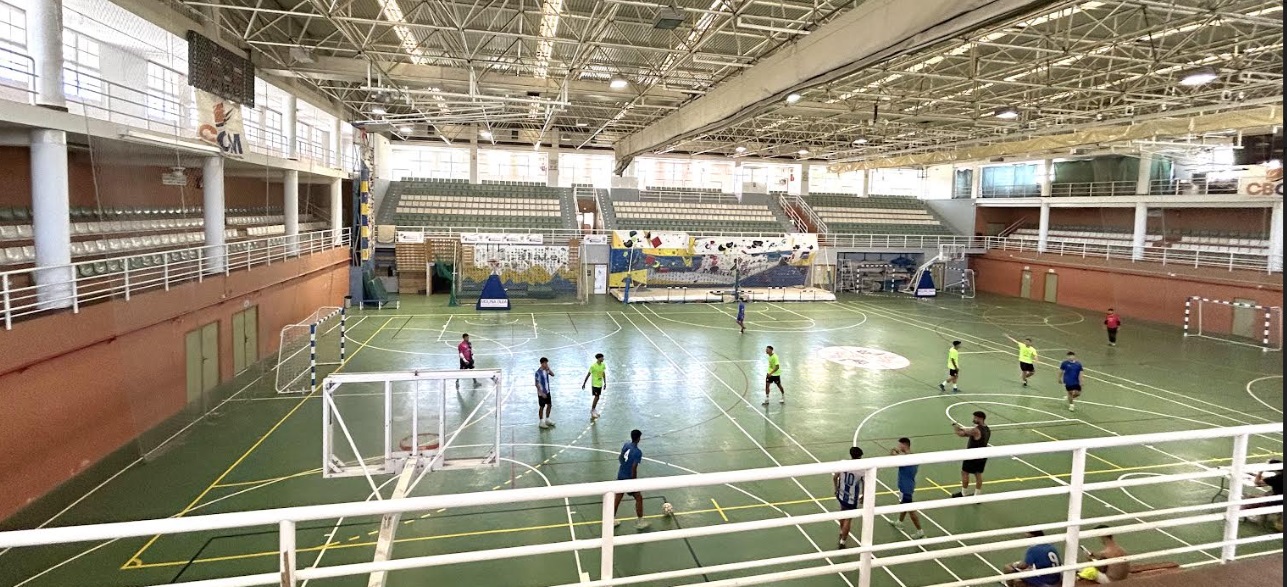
[[230, 520]]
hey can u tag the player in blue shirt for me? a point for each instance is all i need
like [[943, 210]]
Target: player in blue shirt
[[1038, 556], [544, 403], [906, 487], [629, 459], [1070, 375], [741, 315], [849, 488]]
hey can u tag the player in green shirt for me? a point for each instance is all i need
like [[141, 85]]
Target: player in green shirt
[[1027, 358], [953, 367], [774, 376], [598, 378]]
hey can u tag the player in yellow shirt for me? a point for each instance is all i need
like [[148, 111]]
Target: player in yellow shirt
[[953, 367], [598, 379], [1027, 358], [774, 376]]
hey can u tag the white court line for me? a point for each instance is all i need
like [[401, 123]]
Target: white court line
[[1257, 398], [443, 330], [330, 536], [567, 506], [509, 349]]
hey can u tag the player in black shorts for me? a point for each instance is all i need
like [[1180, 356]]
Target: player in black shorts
[[978, 437]]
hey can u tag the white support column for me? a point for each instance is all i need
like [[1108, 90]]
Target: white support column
[[552, 163], [337, 143], [865, 189], [45, 41], [1047, 177], [1043, 228], [1140, 232], [50, 219], [290, 126], [976, 182], [804, 178], [212, 209], [290, 207], [473, 156], [337, 210], [1144, 178], [1276, 238]]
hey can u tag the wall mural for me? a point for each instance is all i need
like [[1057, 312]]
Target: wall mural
[[532, 271], [677, 258]]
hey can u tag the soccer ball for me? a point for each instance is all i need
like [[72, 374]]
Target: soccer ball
[[667, 509]]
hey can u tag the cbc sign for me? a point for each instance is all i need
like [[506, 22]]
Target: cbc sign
[[1264, 188]]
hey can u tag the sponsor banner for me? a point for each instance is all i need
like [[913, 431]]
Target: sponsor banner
[[483, 238], [410, 237], [595, 239], [219, 124]]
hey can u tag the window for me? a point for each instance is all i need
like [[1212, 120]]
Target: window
[[579, 168], [497, 165], [429, 162], [823, 181], [163, 92], [14, 66], [81, 68]]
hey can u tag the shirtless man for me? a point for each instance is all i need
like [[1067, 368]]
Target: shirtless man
[[1111, 572]]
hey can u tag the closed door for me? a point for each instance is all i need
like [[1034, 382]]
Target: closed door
[[202, 360], [245, 339], [600, 279], [1052, 288], [1245, 319], [1025, 284]]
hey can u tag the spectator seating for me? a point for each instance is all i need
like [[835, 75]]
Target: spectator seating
[[843, 213], [1087, 235], [495, 206], [693, 210], [1238, 244]]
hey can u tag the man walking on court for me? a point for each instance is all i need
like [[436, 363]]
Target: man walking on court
[[978, 437], [774, 376], [465, 352], [741, 315], [628, 468], [1070, 375], [1027, 358], [849, 487], [598, 378], [906, 487], [1111, 323], [544, 403], [953, 368]]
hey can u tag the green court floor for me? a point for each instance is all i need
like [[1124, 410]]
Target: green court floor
[[685, 377]]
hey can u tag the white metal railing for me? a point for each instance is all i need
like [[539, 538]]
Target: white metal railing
[[126, 276], [1226, 514], [1161, 187], [798, 210], [671, 194], [1147, 254]]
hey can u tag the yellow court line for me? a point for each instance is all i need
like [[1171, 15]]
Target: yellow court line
[[717, 508], [135, 560], [1088, 453], [270, 479], [720, 510]]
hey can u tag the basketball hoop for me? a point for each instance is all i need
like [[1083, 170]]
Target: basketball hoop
[[495, 265], [425, 442]]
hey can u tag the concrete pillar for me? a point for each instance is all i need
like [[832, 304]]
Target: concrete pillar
[[1140, 232], [473, 156], [337, 143], [1047, 177], [552, 164], [1276, 238], [290, 124], [290, 207], [865, 189], [738, 178], [51, 218], [337, 210], [1043, 228], [804, 179], [213, 211], [976, 182], [45, 41], [1144, 179]]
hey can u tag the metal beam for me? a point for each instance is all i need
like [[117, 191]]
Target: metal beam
[[875, 31]]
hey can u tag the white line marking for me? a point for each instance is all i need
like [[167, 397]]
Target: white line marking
[[1257, 398]]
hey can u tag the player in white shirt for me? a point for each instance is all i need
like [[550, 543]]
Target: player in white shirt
[[849, 487]]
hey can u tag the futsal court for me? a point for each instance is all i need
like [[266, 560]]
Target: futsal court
[[683, 375]]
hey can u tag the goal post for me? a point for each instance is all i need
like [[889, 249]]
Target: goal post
[[318, 340], [1235, 322]]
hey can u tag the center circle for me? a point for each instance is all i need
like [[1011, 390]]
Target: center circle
[[864, 358]]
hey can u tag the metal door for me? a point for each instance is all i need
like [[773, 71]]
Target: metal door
[[1025, 284], [1052, 288], [600, 279], [192, 360], [209, 356], [245, 339]]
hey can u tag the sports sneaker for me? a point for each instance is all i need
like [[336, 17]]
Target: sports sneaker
[[543, 425], [596, 413], [942, 388], [616, 523], [550, 423], [765, 402], [641, 524], [959, 494], [918, 534], [782, 400], [1072, 408], [841, 545], [1025, 383], [978, 492], [897, 525], [956, 390]]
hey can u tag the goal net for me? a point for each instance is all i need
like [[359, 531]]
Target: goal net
[[1234, 321], [959, 282], [318, 340]]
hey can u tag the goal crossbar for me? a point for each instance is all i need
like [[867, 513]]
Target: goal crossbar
[[297, 349], [1271, 332]]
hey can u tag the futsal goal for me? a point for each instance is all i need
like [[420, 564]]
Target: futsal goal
[[317, 340], [1234, 321]]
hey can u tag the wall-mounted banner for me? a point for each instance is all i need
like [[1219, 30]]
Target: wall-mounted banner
[[407, 236], [219, 124], [675, 258], [484, 238]]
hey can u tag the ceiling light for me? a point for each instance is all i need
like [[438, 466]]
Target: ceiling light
[[860, 141], [792, 98], [740, 149], [802, 152], [618, 83], [486, 134], [404, 129], [582, 124], [1199, 77], [378, 110], [1006, 113]]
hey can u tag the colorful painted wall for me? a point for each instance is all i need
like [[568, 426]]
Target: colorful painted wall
[[527, 271], [680, 259]]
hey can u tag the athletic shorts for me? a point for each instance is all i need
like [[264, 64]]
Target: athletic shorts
[[847, 507], [466, 364], [974, 466], [952, 372], [543, 399], [596, 390], [1027, 367], [1072, 387], [773, 379], [905, 497]]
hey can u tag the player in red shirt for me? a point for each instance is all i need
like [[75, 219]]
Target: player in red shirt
[[1112, 322]]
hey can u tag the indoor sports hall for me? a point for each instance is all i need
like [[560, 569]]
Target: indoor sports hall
[[641, 293]]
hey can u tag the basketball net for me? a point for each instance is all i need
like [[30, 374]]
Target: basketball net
[[495, 265]]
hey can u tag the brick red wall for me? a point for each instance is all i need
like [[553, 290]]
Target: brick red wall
[[76, 387]]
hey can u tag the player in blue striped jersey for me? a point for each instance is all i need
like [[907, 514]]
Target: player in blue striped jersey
[[849, 487]]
